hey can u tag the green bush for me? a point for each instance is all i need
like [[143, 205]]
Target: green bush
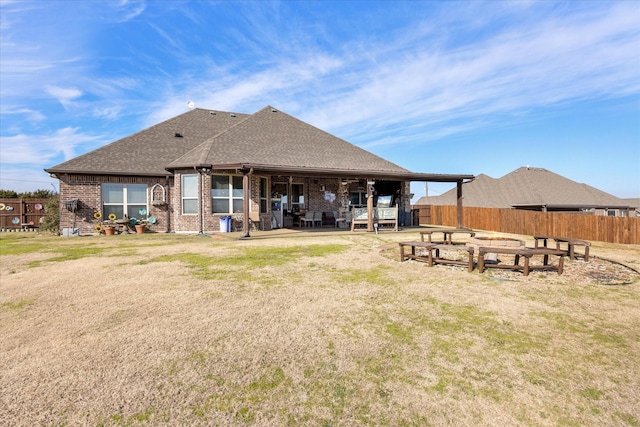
[[8, 194], [51, 220]]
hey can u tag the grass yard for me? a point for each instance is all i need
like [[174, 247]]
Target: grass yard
[[308, 329]]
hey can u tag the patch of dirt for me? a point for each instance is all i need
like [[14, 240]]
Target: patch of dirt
[[597, 270]]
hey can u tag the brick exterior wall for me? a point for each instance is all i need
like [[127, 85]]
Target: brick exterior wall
[[191, 223], [88, 190], [165, 200]]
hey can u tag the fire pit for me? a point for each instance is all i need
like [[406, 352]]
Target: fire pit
[[494, 242]]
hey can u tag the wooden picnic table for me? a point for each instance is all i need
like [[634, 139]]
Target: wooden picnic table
[[446, 232], [570, 242]]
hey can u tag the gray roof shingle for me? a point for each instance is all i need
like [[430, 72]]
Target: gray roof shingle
[[149, 151], [271, 137], [527, 186], [268, 137]]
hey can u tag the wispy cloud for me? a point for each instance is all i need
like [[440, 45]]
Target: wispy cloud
[[63, 95], [41, 150], [130, 9], [557, 61], [32, 115], [408, 85]]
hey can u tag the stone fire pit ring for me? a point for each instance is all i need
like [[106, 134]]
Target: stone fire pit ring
[[494, 242]]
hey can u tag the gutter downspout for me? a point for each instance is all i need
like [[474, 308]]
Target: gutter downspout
[[168, 206], [200, 202]]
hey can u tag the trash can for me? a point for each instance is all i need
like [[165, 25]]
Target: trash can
[[225, 224]]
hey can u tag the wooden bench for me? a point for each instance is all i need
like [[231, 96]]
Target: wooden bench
[[526, 253], [446, 232], [433, 253], [571, 244], [381, 216], [413, 245]]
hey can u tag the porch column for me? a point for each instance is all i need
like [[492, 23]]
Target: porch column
[[370, 205], [245, 203], [459, 203]]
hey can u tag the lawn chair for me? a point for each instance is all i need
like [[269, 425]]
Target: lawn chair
[[317, 217], [345, 219], [307, 218]]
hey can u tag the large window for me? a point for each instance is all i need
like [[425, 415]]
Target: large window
[[121, 199], [189, 194], [226, 194]]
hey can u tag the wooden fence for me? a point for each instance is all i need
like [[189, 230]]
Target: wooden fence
[[17, 214], [625, 230]]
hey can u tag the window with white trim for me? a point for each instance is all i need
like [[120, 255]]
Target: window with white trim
[[226, 194], [121, 199], [189, 194]]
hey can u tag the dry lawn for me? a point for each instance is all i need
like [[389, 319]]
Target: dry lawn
[[311, 329]]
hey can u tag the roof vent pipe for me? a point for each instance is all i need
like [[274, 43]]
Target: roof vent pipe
[[178, 135]]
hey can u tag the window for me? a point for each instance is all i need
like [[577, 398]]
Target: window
[[263, 195], [357, 199], [124, 199], [297, 197], [189, 194], [226, 194]]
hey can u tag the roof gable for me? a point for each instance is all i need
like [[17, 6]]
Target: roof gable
[[273, 138]]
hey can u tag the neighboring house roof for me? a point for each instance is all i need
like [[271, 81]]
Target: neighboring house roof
[[268, 140], [634, 203], [528, 187]]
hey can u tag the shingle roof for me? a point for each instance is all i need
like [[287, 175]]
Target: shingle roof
[[634, 202], [527, 186], [268, 137], [272, 138], [149, 151]]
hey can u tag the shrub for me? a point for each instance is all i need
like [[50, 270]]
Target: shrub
[[51, 220]]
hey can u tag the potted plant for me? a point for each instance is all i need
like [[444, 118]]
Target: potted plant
[[141, 226], [107, 226]]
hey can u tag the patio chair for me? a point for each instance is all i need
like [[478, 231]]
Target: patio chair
[[338, 219], [256, 221], [307, 218], [317, 217]]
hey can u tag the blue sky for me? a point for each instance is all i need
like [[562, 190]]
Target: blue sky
[[434, 86]]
